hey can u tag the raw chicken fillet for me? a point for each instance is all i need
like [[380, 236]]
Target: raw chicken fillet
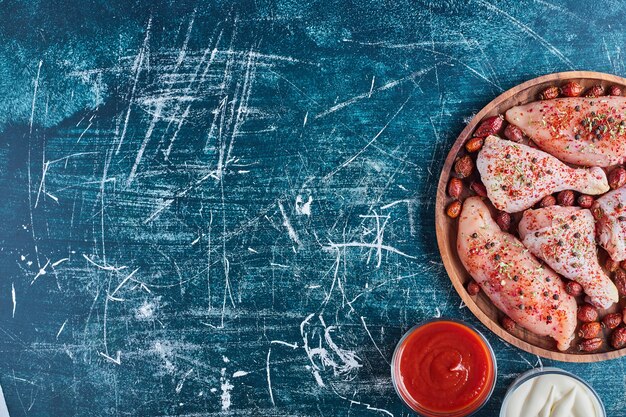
[[517, 176], [564, 237], [531, 294], [579, 130], [610, 212]]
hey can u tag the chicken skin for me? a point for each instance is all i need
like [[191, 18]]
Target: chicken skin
[[564, 237], [513, 279], [579, 130], [517, 176], [610, 212]]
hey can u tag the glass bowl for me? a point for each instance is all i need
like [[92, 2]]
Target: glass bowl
[[413, 405], [534, 373]]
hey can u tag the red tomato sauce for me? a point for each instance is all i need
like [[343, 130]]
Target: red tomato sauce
[[444, 368]]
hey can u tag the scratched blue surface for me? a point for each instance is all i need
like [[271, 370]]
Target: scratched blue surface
[[227, 209]]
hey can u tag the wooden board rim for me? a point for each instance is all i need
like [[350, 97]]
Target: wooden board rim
[[440, 219]]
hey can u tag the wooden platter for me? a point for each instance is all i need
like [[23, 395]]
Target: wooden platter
[[446, 227]]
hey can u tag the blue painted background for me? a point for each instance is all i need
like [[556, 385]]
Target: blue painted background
[[228, 208]]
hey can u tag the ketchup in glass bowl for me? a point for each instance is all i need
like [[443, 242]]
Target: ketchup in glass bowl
[[444, 368]]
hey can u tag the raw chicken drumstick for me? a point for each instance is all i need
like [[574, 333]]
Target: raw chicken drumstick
[[531, 294], [610, 212], [580, 130], [517, 176], [564, 237]]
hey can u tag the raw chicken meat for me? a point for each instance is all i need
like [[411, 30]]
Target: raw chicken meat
[[564, 237], [610, 212], [531, 294], [580, 130], [517, 176]]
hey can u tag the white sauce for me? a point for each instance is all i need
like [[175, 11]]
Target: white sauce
[[552, 396], [3, 406]]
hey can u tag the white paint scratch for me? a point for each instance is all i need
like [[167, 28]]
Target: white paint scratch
[[551, 48], [84, 131], [344, 361], [422, 46], [165, 204], [124, 281], [303, 208], [393, 203], [179, 386], [384, 87], [290, 230], [13, 298], [42, 182], [348, 357], [183, 49], [145, 311], [155, 118], [196, 240], [226, 387], [380, 132], [42, 271], [269, 377], [367, 406], [165, 352], [104, 267], [59, 262], [117, 360], [32, 108], [61, 329], [280, 342], [137, 66], [373, 342], [368, 245], [267, 365]]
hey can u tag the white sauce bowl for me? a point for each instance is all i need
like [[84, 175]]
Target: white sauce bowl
[[521, 395]]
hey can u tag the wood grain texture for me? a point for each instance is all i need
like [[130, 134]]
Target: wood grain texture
[[239, 197], [446, 227]]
